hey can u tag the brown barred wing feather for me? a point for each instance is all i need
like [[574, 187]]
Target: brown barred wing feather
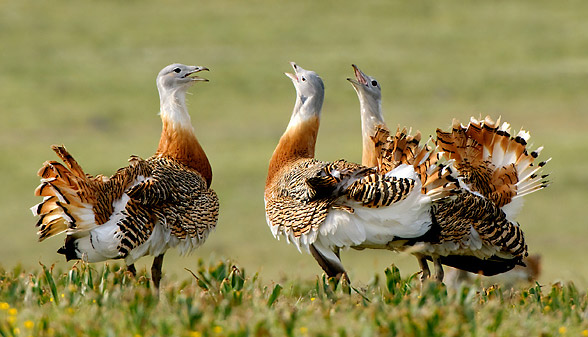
[[298, 200], [467, 215], [402, 148], [376, 190], [179, 198], [295, 217]]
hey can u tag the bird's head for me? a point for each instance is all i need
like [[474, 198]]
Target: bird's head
[[310, 91], [178, 77], [366, 86]]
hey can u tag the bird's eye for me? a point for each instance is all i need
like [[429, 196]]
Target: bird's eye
[[302, 78], [177, 70], [374, 83]]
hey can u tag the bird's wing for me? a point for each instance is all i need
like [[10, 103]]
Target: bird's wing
[[299, 199], [375, 190], [179, 197], [479, 226]]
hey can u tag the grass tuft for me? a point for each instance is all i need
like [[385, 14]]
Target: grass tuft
[[221, 300]]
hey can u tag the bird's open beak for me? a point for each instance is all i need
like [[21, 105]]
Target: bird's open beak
[[197, 69], [360, 77], [293, 77]]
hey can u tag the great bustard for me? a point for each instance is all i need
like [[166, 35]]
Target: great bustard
[[473, 228], [144, 208]]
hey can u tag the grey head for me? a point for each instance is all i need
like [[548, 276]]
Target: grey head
[[178, 77], [366, 86], [369, 93], [310, 91]]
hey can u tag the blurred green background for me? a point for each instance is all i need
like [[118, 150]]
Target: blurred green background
[[82, 73]]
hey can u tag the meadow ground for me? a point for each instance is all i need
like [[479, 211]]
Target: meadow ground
[[222, 299], [82, 74]]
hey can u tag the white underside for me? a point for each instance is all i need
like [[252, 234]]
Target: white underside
[[100, 243], [369, 227], [160, 241]]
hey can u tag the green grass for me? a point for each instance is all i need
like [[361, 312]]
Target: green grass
[[222, 299], [83, 74]]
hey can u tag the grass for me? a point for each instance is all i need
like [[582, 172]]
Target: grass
[[221, 299], [82, 74]]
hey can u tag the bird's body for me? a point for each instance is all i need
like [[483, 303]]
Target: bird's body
[[143, 209], [322, 207], [472, 228]]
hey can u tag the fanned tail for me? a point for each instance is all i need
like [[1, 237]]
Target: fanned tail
[[66, 203], [492, 162], [403, 148]]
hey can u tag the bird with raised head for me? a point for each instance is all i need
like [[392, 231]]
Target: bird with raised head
[[473, 227], [145, 208]]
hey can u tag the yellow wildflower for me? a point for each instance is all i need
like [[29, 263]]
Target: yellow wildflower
[[585, 333], [29, 324], [312, 299], [303, 330], [217, 329], [16, 331], [562, 330], [4, 306], [195, 334], [13, 312]]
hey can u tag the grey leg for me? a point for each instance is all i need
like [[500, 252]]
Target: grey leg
[[331, 269], [425, 271], [156, 270], [439, 274]]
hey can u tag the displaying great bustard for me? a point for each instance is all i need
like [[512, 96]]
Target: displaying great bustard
[[146, 207], [473, 228]]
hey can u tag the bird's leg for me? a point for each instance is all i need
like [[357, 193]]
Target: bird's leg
[[131, 269], [156, 270], [331, 269], [425, 271], [439, 274]]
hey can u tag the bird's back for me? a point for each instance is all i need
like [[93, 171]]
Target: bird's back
[[178, 200]]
